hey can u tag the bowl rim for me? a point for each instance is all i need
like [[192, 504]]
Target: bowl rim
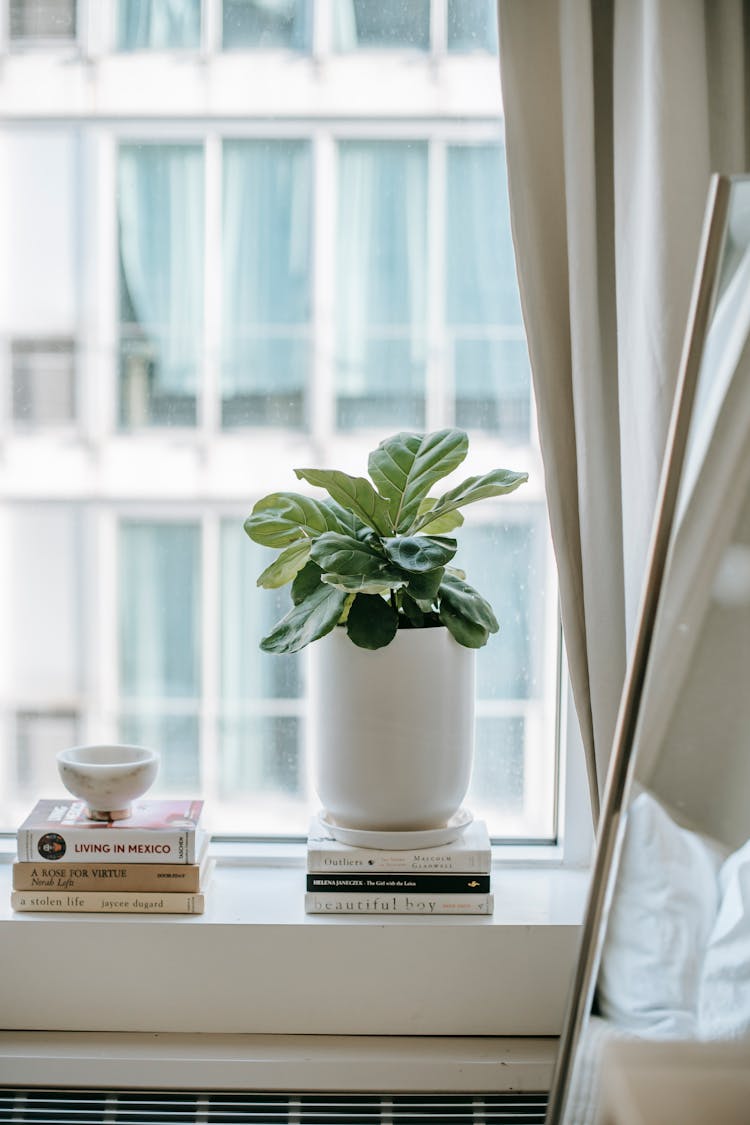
[[145, 756]]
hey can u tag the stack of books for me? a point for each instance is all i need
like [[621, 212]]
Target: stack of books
[[450, 879], [154, 862]]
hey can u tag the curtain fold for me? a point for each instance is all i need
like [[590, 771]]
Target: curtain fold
[[616, 113]]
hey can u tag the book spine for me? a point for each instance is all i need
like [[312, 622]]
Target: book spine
[[103, 902], [123, 845], [386, 882], [470, 862], [338, 904], [106, 877]]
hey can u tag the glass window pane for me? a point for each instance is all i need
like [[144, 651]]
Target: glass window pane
[[247, 613], [160, 597], [472, 25], [160, 211], [43, 381], [176, 739], [386, 23], [159, 25], [381, 283], [43, 19], [483, 311], [497, 786], [266, 282], [266, 24]]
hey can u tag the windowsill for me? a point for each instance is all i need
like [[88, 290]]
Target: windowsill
[[308, 1063], [255, 964]]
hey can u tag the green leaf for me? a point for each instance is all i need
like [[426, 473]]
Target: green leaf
[[357, 584], [284, 517], [354, 493], [420, 553], [405, 467], [284, 568], [424, 587], [349, 523], [342, 554], [412, 611], [441, 526], [466, 632], [372, 623], [465, 612], [308, 620], [306, 582], [498, 482]]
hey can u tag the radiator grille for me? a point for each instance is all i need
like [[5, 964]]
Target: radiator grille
[[112, 1107]]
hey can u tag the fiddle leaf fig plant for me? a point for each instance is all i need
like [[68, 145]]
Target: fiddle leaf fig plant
[[374, 555]]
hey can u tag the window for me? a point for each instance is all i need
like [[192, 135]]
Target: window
[[199, 302], [43, 381], [42, 20], [388, 24], [260, 24]]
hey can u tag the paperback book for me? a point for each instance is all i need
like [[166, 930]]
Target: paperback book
[[321, 902], [113, 876], [108, 902], [163, 832], [380, 882], [470, 853]]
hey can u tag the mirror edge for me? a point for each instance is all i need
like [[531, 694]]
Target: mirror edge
[[609, 835]]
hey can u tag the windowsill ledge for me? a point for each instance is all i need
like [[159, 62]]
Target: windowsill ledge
[[255, 963], [311, 1063]]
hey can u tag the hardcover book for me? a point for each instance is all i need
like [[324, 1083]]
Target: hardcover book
[[320, 902], [470, 853], [156, 832], [399, 883], [113, 876]]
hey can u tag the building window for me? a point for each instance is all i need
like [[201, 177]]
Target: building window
[[387, 24], [472, 25], [488, 359], [43, 380], [159, 648], [244, 276], [266, 282], [381, 284], [158, 25], [42, 21], [161, 215], [266, 24]]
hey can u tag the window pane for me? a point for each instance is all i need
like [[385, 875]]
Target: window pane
[[159, 630], [261, 752], [43, 19], [43, 379], [266, 24], [159, 610], [158, 24], [472, 25], [266, 282], [385, 23], [488, 350], [381, 285], [160, 211], [497, 781]]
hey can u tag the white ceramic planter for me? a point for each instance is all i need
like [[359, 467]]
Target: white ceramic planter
[[394, 729]]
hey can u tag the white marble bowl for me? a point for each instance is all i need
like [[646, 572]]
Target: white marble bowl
[[108, 778]]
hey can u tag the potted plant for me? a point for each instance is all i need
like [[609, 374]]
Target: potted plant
[[398, 626]]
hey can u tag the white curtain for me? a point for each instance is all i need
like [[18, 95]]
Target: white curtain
[[616, 113], [160, 205]]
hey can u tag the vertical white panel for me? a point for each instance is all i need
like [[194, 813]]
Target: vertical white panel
[[41, 256]]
